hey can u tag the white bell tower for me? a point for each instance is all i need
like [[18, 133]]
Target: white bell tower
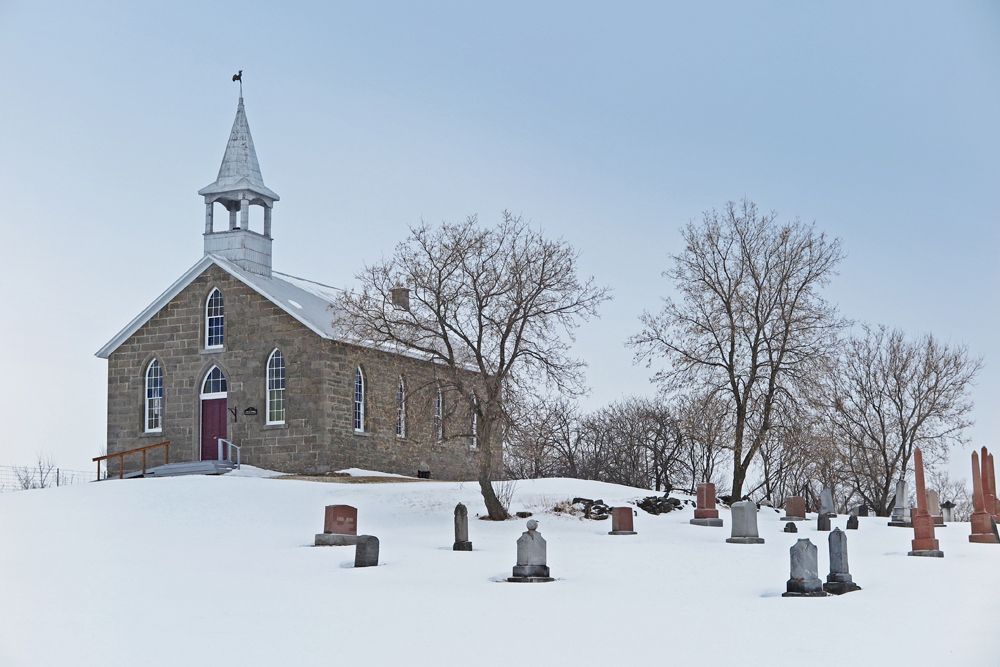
[[238, 187]]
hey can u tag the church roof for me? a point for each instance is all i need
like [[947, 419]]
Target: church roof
[[311, 303], [240, 169]]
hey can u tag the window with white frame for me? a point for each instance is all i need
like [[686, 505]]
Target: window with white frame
[[214, 385], [474, 440], [401, 409], [359, 401], [276, 388], [439, 415], [215, 320], [154, 397]]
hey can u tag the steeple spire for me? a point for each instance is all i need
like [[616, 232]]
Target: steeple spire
[[238, 186]]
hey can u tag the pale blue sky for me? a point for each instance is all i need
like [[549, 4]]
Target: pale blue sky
[[609, 125]]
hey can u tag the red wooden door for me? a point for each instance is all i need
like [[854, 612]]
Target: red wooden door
[[214, 425]]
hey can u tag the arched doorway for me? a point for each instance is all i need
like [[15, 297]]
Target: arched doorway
[[214, 413]]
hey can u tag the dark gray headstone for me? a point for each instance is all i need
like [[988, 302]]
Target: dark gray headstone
[[790, 528], [366, 552], [462, 542], [852, 523], [745, 524], [839, 580], [823, 522], [826, 502], [993, 524], [863, 509], [804, 580]]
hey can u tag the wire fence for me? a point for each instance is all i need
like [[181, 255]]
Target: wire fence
[[20, 478]]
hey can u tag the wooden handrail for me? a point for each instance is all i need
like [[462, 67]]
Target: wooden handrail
[[121, 458]]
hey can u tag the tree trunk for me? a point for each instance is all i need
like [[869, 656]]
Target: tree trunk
[[493, 506], [739, 476]]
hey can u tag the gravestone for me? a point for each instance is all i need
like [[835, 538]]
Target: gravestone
[[946, 510], [804, 580], [795, 509], [790, 527], [934, 507], [924, 543], [822, 521], [745, 524], [826, 502], [621, 521], [366, 551], [531, 567], [341, 520], [839, 581], [852, 522], [705, 513], [981, 530], [900, 516], [462, 542], [340, 527]]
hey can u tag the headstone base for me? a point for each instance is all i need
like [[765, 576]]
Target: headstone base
[[813, 594], [531, 572], [707, 522], [792, 518], [335, 540], [745, 540], [529, 580], [623, 532], [840, 587], [983, 538], [462, 546], [900, 524], [930, 553]]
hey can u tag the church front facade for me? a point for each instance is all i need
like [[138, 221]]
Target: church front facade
[[236, 352]]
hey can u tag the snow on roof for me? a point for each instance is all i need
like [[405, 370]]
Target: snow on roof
[[311, 303]]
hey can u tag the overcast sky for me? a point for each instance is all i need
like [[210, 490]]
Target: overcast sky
[[609, 125]]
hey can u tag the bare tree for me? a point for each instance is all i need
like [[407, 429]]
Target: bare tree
[[891, 394], [500, 302], [751, 326], [705, 425]]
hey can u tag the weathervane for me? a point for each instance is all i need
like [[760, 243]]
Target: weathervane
[[239, 77]]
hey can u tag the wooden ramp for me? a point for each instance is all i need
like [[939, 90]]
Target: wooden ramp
[[189, 468]]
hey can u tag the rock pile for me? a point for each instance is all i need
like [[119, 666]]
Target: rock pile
[[591, 509], [658, 505]]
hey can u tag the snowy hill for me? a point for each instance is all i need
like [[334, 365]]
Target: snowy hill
[[221, 571]]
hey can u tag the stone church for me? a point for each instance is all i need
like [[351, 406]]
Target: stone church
[[237, 352]]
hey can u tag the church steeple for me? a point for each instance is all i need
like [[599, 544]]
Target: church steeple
[[238, 186]]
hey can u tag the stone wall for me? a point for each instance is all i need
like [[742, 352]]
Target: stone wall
[[318, 433]]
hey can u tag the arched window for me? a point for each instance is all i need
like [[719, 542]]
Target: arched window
[[154, 397], [401, 409], [439, 415], [474, 440], [215, 320], [214, 385], [276, 388], [359, 401]]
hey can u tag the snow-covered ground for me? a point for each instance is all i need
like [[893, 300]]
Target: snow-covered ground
[[221, 571]]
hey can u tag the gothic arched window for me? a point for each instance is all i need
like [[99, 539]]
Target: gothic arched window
[[359, 401], [214, 385], [276, 388], [401, 409], [215, 320], [154, 397]]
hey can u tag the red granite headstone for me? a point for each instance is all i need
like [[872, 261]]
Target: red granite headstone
[[989, 493], [621, 519], [993, 488], [706, 502], [982, 531], [341, 520], [923, 522], [795, 506]]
